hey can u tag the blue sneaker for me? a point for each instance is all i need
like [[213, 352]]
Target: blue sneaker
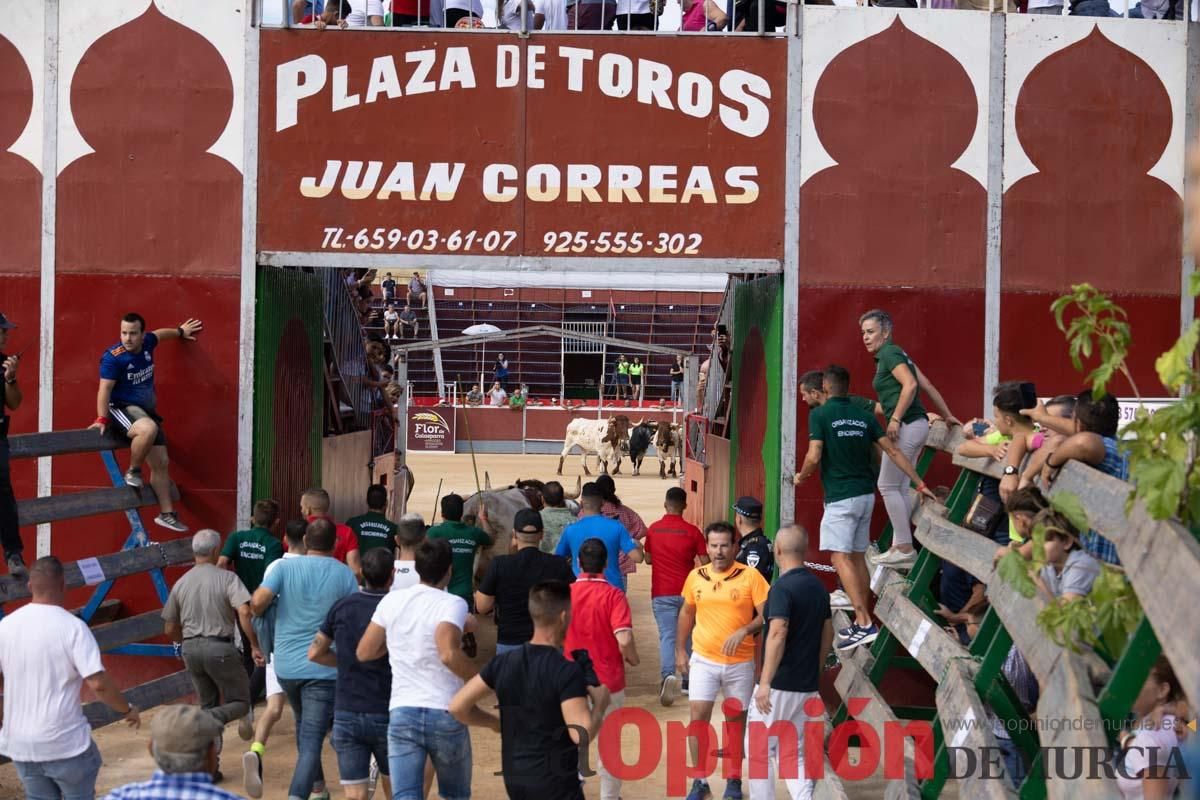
[[844, 632], [700, 790], [733, 789], [858, 636]]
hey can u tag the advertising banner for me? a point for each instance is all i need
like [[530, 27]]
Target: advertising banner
[[430, 431], [479, 144]]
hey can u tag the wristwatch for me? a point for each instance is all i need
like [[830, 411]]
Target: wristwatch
[[1009, 469]]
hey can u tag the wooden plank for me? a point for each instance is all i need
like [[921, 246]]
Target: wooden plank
[[966, 726], [1154, 554], [137, 628], [830, 787], [939, 435], [852, 682], [1069, 717], [61, 443], [859, 655], [37, 510], [984, 466], [115, 565], [151, 694], [969, 550], [925, 639]]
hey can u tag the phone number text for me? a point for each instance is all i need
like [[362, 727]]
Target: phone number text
[[617, 243], [424, 239]]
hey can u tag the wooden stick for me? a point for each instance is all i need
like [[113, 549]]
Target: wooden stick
[[436, 497]]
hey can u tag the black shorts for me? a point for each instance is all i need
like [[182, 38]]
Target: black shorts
[[124, 415], [635, 22]]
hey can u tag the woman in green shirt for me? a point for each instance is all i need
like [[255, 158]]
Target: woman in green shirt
[[898, 384], [637, 386]]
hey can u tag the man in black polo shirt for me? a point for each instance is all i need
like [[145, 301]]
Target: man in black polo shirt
[[10, 534], [754, 548], [505, 586], [799, 635]]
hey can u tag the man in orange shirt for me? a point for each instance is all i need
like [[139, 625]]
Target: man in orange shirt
[[722, 610], [314, 504]]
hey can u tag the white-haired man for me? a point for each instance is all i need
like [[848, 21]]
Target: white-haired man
[[202, 611]]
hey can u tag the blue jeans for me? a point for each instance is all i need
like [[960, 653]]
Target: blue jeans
[[675, 391], [666, 614], [417, 733], [312, 705], [71, 778], [356, 737]]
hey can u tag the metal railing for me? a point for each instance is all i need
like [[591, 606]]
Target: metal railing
[[344, 331]]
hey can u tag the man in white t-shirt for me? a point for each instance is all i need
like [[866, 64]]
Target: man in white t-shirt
[[497, 396], [410, 532], [46, 654], [549, 15], [420, 629]]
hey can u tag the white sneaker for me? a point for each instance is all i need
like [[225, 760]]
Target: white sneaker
[[872, 556], [839, 599], [897, 559]]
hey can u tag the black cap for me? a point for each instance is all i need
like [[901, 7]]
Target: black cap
[[527, 518], [748, 507], [5, 325]]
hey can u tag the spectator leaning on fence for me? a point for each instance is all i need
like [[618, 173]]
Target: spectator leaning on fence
[[46, 655], [184, 742], [898, 383], [1147, 767], [1091, 438], [475, 396]]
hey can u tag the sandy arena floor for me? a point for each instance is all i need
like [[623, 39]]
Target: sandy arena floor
[[125, 751]]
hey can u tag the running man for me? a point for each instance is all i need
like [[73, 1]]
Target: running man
[[126, 398]]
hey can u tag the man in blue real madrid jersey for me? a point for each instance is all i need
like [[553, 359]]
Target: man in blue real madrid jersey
[[126, 399]]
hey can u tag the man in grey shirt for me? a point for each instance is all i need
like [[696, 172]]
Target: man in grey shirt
[[202, 612]]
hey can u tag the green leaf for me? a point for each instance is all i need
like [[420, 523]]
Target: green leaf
[[1159, 483], [1194, 283], [1070, 506], [1014, 570], [1175, 366]]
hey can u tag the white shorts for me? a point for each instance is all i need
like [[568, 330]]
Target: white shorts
[[846, 524], [707, 678], [273, 686]]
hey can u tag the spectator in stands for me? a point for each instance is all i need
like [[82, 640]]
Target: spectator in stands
[[1147, 765], [1069, 572], [388, 285], [420, 630], [409, 533], [754, 548], [127, 398], [304, 590], [505, 587], [1047, 438], [1006, 440], [517, 400], [46, 655], [591, 15], [10, 532], [1091, 438], [841, 439], [314, 505], [613, 508], [360, 707], [417, 293], [500, 368], [304, 11], [594, 523], [621, 375], [601, 634], [543, 697], [637, 15], [249, 552], [674, 547], [391, 322], [676, 373], [722, 611], [409, 324], [798, 637], [373, 529], [465, 541], [637, 386], [555, 515], [201, 612], [264, 723], [365, 12], [185, 743], [898, 383], [549, 15], [475, 396], [497, 396], [410, 13], [1023, 506]]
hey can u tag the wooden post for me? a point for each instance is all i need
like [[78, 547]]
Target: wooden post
[[398, 504]]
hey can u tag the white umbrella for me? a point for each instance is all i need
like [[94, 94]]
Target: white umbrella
[[479, 330]]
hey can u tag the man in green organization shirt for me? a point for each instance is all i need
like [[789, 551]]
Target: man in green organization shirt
[[842, 439], [373, 529], [249, 552], [465, 541]]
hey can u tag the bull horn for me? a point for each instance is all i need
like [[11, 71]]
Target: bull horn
[[487, 481], [639, 422], [578, 488]]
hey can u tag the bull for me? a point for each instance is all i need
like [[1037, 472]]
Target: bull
[[603, 437], [502, 507], [669, 445], [640, 438]]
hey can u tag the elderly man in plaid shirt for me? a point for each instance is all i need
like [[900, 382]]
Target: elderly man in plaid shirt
[[183, 741]]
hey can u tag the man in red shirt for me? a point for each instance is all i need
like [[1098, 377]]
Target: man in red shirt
[[601, 625], [314, 504], [672, 546]]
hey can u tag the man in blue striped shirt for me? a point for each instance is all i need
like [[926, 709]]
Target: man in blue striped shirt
[[183, 741]]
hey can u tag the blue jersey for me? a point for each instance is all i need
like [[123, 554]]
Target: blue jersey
[[133, 372]]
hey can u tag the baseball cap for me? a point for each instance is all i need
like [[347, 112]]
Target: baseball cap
[[184, 729], [5, 325], [527, 518], [748, 507]]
